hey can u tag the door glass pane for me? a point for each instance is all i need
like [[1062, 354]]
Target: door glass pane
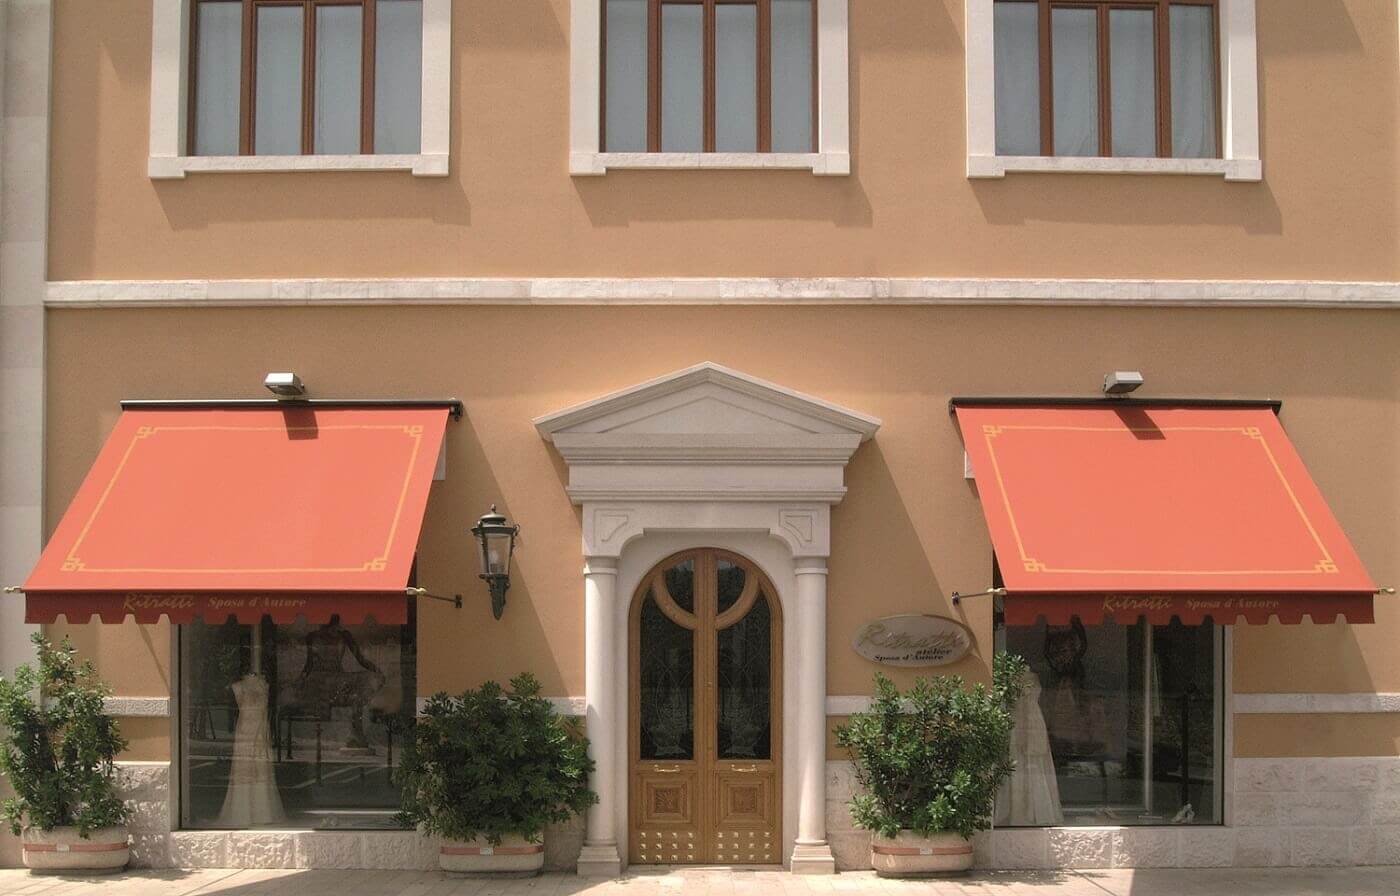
[[736, 78], [682, 77], [218, 78], [277, 122], [1017, 65], [792, 75], [398, 75], [1193, 82], [339, 49], [731, 584], [745, 685], [1075, 65], [666, 691], [294, 726], [680, 584], [625, 128], [1132, 36], [1185, 716]]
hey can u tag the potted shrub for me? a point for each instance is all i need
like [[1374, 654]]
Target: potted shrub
[[930, 761], [488, 771], [56, 752]]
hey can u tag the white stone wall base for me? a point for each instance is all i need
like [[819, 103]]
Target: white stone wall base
[[599, 861], [812, 858]]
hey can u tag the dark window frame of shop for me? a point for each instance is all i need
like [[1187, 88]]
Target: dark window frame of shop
[[248, 65], [709, 103], [1162, 10]]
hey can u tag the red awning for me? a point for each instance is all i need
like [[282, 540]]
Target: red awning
[[1123, 511], [245, 512]]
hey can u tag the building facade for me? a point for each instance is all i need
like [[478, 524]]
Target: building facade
[[713, 299]]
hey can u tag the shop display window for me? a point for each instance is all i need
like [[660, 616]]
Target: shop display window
[[1119, 725], [299, 725]]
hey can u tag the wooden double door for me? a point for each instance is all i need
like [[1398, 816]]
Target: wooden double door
[[705, 714]]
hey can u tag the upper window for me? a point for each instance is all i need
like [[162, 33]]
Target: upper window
[[300, 77], [709, 75], [1113, 78]]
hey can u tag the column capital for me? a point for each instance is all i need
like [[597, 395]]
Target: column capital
[[600, 566], [809, 566]]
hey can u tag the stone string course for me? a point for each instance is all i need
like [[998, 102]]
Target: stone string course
[[1286, 812]]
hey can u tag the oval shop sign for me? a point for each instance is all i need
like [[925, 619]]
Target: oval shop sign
[[913, 641]]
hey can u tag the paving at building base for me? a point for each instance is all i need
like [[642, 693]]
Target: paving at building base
[[1384, 881]]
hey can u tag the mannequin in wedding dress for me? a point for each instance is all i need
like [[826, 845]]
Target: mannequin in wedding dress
[[1031, 796], [252, 799]]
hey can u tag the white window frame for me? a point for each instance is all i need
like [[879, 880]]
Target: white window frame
[[170, 52], [833, 155], [1239, 97]]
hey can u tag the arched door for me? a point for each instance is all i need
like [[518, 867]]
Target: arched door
[[705, 713]]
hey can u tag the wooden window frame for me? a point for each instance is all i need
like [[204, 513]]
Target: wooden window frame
[[247, 113], [1162, 25], [763, 50]]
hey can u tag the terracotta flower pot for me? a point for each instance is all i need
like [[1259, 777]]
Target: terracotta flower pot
[[909, 854], [62, 849], [515, 856]]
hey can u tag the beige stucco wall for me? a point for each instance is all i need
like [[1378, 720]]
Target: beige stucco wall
[[910, 530], [1327, 208]]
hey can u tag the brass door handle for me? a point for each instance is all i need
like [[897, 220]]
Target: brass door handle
[[673, 770], [747, 771]]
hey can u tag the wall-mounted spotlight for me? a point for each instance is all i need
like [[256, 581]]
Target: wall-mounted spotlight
[[285, 385], [1121, 382]]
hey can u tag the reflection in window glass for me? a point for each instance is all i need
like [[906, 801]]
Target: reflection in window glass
[[682, 78], [1132, 42], [731, 579], [1193, 81], [294, 725], [1120, 725], [1017, 66], [1075, 63], [398, 75], [339, 43], [792, 75], [277, 125], [666, 676], [745, 677], [218, 78], [625, 128], [736, 77]]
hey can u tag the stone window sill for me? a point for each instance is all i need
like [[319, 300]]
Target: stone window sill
[[587, 164], [1247, 170], [176, 167]]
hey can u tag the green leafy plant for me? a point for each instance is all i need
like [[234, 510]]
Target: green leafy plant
[[56, 751], [494, 762], [930, 760]]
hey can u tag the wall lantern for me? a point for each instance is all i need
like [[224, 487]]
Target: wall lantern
[[496, 537]]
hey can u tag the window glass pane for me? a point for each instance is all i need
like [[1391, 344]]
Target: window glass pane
[[682, 78], [1193, 82], [298, 726], [744, 728], [1133, 81], [277, 121], [1017, 66], [666, 691], [736, 78], [1118, 726], [398, 75], [680, 584], [730, 585], [339, 49], [625, 126], [1075, 72], [792, 75], [218, 78]]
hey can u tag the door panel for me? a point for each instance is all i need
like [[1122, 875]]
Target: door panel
[[705, 651]]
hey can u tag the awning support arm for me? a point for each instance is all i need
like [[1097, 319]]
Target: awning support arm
[[455, 600], [990, 592]]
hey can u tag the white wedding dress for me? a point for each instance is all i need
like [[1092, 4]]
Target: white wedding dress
[[1031, 796], [252, 799]]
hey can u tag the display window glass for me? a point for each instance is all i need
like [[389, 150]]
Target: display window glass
[[299, 725], [1119, 725]]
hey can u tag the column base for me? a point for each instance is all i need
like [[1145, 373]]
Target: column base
[[813, 858], [599, 860]]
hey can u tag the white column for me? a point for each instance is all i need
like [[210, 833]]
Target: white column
[[811, 854], [602, 714]]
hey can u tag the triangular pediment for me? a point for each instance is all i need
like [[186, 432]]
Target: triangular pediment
[[711, 402]]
